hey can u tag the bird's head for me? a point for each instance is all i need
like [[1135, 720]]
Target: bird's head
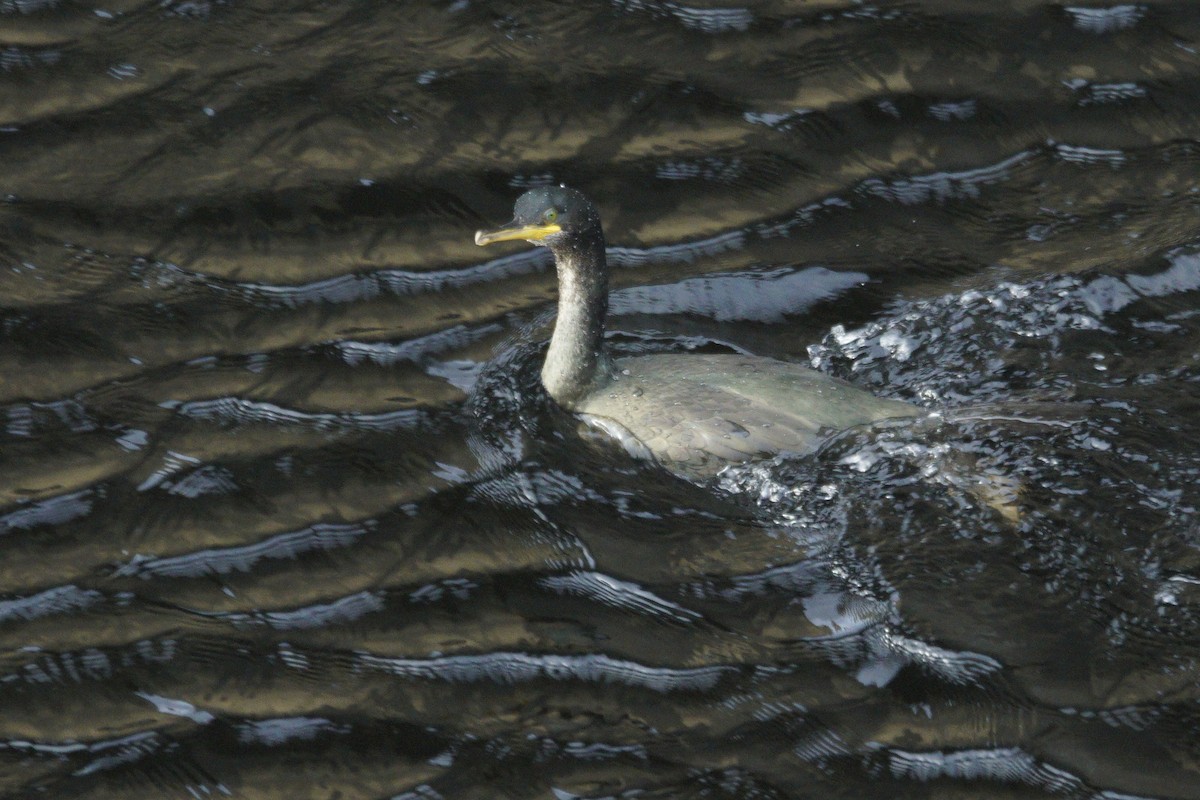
[[550, 216]]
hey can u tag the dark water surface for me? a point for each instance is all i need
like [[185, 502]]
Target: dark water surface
[[284, 512]]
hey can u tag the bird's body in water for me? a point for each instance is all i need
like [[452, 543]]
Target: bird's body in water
[[692, 413]]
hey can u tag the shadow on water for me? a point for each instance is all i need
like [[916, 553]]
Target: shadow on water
[[284, 511]]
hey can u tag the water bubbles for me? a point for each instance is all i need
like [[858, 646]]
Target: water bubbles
[[704, 20], [953, 110], [1077, 154], [780, 121], [1105, 20], [712, 168], [124, 71], [14, 58]]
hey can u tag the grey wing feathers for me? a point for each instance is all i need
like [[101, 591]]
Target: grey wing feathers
[[698, 412]]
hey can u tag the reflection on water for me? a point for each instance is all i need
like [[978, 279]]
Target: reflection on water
[[284, 512]]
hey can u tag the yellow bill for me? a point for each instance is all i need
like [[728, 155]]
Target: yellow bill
[[515, 231]]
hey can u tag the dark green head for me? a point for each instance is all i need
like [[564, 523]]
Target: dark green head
[[552, 216]]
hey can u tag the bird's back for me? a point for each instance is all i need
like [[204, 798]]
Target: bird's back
[[696, 413]]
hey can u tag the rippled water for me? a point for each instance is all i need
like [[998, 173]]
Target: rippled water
[[284, 512]]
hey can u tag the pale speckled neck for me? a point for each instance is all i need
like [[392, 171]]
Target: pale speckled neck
[[577, 360]]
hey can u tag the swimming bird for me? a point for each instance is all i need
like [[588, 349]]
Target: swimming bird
[[693, 413]]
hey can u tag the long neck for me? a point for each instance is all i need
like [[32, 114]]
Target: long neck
[[576, 360]]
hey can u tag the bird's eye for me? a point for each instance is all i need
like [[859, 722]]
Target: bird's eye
[[550, 215]]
